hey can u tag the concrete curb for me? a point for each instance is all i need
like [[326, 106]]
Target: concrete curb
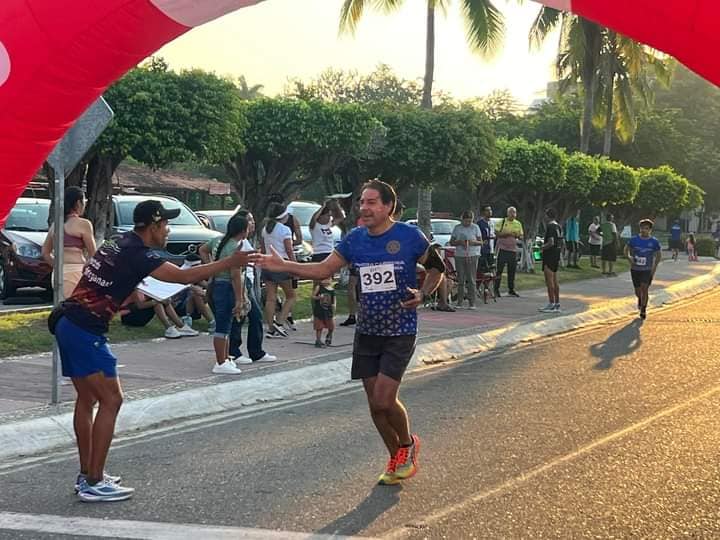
[[42, 434]]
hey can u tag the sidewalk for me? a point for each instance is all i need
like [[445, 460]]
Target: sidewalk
[[161, 368]]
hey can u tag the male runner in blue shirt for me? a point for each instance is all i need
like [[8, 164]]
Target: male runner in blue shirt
[[384, 254], [644, 253]]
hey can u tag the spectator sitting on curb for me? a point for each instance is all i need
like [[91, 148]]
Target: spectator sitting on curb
[[193, 302], [142, 309]]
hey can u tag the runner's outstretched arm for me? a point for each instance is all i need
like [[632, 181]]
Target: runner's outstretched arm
[[172, 274], [315, 271]]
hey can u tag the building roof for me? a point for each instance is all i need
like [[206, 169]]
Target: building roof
[[136, 178]]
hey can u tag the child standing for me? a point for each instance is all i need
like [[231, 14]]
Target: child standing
[[324, 302], [692, 253]]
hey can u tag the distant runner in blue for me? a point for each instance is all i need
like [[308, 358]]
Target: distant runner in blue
[[383, 254], [644, 253]]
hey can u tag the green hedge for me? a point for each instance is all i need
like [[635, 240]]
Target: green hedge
[[705, 247]]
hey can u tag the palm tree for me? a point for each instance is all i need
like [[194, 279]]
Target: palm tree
[[628, 71], [248, 92], [578, 58], [484, 28], [614, 71]]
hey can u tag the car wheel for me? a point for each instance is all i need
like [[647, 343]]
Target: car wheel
[[6, 288]]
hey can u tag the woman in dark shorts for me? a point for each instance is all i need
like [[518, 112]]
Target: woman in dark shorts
[[552, 247]]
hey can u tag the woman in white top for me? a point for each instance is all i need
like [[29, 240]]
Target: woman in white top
[[78, 240], [321, 223], [279, 237]]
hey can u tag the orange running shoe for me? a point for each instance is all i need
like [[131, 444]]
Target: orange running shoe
[[388, 478], [406, 459]]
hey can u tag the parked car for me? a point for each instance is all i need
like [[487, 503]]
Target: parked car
[[441, 229], [217, 220], [21, 240], [187, 233], [303, 211]]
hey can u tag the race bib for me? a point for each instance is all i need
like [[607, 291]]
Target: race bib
[[640, 261], [377, 278]]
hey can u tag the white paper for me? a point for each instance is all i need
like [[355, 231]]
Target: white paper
[[160, 290]]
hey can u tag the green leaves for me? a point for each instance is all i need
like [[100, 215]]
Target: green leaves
[[163, 117], [618, 184]]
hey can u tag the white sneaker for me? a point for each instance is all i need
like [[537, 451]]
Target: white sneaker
[[556, 308], [172, 333], [268, 358], [471, 308], [226, 368], [242, 359], [550, 308], [186, 331]]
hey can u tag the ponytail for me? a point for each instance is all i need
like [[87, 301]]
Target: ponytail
[[274, 211], [236, 225]]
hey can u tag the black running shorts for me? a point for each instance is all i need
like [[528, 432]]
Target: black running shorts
[[640, 277], [389, 355], [609, 252], [551, 259]]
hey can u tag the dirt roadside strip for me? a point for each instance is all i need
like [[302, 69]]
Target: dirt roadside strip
[[38, 435]]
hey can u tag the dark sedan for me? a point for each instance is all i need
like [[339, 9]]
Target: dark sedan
[[21, 240]]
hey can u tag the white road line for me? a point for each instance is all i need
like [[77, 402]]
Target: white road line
[[145, 530], [522, 478]]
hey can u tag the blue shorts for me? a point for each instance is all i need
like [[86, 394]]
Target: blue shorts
[[83, 353]]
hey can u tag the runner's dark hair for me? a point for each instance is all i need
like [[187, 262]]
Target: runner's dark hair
[[467, 214], [388, 196], [73, 195], [550, 212], [236, 225], [274, 210]]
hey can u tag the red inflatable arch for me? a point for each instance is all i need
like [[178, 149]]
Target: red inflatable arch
[[686, 29], [57, 57]]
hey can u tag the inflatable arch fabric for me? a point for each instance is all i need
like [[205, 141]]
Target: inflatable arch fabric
[[58, 56], [686, 29]]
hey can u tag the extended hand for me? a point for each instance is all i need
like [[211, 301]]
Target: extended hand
[[272, 261], [243, 258], [412, 302]]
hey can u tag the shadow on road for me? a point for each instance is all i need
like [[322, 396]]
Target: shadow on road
[[378, 501], [621, 343]]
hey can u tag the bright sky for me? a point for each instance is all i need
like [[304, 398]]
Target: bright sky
[[279, 39]]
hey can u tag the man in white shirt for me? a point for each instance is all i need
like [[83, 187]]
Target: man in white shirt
[[595, 241]]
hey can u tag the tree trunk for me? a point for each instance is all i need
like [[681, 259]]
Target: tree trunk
[[99, 188], [609, 98], [589, 80], [424, 206]]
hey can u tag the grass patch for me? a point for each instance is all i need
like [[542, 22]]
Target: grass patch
[[526, 281], [27, 333]]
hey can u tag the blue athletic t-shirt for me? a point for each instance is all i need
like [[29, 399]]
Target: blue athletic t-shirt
[[643, 252], [675, 232], [386, 265]]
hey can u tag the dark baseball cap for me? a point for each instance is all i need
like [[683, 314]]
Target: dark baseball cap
[[149, 212]]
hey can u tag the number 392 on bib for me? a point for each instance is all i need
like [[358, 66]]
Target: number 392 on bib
[[377, 278]]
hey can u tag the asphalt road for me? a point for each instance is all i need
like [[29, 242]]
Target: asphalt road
[[610, 432]]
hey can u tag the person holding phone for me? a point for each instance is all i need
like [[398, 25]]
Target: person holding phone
[[467, 239]]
